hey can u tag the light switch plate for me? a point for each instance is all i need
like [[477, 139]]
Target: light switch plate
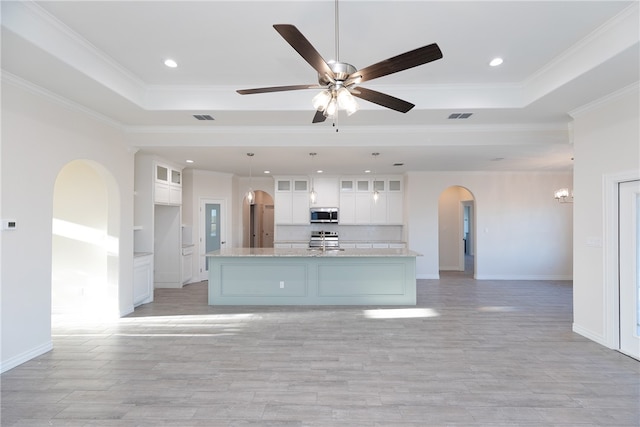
[[9, 224]]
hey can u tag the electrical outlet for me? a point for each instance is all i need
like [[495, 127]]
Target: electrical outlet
[[282, 284]]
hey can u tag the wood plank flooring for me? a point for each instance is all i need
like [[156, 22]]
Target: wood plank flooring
[[471, 353]]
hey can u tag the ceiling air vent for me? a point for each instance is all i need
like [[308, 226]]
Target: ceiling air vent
[[459, 116], [203, 117]]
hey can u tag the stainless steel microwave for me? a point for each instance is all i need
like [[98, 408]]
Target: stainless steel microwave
[[324, 215]]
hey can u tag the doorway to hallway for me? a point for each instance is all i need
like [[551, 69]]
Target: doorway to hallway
[[258, 221], [456, 231], [85, 242]]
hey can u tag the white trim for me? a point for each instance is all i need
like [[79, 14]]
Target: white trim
[[21, 83], [590, 335], [26, 356], [128, 310], [604, 100], [524, 277], [610, 183], [428, 276], [202, 201]]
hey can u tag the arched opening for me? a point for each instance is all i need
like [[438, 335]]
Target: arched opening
[[456, 231], [85, 242], [258, 221]]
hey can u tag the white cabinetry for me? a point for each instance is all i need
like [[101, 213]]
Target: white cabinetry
[[291, 201], [168, 185], [142, 279], [347, 214], [328, 195], [395, 201], [358, 205]]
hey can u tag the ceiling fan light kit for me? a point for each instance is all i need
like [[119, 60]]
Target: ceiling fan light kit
[[340, 80]]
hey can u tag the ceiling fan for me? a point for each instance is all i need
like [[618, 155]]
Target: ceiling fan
[[340, 80]]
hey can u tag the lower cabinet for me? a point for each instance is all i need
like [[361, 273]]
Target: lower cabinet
[[142, 279]]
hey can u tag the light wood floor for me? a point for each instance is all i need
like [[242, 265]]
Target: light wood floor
[[471, 353]]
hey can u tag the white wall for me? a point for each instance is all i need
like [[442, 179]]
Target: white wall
[[40, 135], [607, 143], [522, 232]]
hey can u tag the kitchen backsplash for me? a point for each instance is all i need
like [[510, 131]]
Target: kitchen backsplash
[[346, 233]]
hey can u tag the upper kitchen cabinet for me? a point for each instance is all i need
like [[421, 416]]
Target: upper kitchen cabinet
[[395, 200], [168, 185], [365, 200], [291, 200], [327, 192]]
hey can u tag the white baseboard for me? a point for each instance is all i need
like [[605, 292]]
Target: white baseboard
[[26, 356], [128, 310], [522, 277], [428, 276], [590, 335], [167, 285]]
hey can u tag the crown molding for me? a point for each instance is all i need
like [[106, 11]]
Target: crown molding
[[26, 85], [625, 91]]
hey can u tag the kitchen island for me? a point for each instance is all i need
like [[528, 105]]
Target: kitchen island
[[268, 276]]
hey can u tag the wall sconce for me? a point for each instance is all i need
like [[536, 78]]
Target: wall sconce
[[563, 195]]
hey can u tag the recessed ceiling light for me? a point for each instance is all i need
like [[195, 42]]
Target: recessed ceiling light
[[267, 172], [319, 171], [495, 62], [189, 161], [367, 171], [170, 63]]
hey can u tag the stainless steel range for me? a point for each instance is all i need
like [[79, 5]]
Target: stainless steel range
[[326, 239]]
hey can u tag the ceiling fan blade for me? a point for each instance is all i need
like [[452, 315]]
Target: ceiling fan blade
[[319, 117], [404, 61], [382, 99], [297, 41], [277, 89]]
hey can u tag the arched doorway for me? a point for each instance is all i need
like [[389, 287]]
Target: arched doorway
[[85, 241], [456, 230], [258, 221]]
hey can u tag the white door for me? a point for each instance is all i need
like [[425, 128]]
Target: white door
[[212, 236], [629, 254]]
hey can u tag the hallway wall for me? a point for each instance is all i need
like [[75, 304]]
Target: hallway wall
[[40, 134]]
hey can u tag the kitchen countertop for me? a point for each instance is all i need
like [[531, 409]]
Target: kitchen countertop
[[304, 252], [141, 254]]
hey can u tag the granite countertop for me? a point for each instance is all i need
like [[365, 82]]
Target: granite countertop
[[286, 252]]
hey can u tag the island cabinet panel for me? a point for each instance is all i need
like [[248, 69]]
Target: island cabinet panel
[[263, 280], [376, 279]]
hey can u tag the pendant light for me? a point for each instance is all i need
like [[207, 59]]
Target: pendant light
[[376, 194], [250, 195], [313, 196]]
